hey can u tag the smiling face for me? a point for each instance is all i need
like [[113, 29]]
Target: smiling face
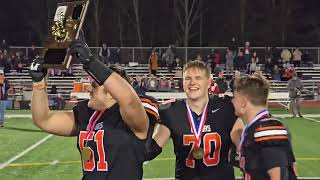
[[196, 83]]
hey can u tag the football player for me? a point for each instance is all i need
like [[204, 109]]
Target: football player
[[202, 129], [111, 127], [265, 148]]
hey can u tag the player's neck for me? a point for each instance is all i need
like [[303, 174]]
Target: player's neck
[[252, 113], [197, 106]]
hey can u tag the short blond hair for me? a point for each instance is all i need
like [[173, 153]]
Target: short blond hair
[[255, 87], [196, 64]]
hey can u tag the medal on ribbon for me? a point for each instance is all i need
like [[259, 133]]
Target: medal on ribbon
[[197, 151], [86, 150], [86, 153]]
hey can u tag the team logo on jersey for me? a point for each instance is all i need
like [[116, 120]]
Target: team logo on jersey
[[215, 110], [206, 128], [98, 126]]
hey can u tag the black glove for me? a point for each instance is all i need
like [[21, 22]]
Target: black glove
[[234, 157], [80, 50], [97, 70], [37, 71]]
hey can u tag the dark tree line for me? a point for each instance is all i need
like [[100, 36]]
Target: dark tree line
[[179, 22]]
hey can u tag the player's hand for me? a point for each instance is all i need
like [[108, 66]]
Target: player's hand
[[37, 71], [80, 50]]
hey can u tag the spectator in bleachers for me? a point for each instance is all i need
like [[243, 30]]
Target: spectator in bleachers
[[164, 84], [105, 54], [169, 58], [173, 84], [276, 73], [275, 56], [139, 85], [214, 88], [4, 87], [153, 62], [253, 64], [217, 69], [152, 84], [233, 47], [18, 63], [295, 87], [115, 56], [229, 62], [3, 62], [285, 56], [307, 59], [240, 62], [247, 53], [268, 66], [216, 57], [268, 54], [297, 54], [288, 72], [222, 83], [235, 77]]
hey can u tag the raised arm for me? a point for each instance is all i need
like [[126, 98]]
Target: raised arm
[[58, 123], [131, 108]]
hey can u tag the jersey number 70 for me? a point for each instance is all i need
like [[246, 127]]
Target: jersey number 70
[[206, 140]]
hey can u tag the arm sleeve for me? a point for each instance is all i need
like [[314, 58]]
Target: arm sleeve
[[274, 157]]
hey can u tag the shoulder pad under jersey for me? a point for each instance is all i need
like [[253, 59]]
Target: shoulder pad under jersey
[[151, 106], [270, 132]]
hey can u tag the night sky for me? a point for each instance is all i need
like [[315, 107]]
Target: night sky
[[26, 22]]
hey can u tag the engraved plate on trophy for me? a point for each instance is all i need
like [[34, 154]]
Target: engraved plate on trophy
[[65, 27]]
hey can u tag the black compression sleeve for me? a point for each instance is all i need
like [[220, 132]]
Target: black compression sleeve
[[152, 150]]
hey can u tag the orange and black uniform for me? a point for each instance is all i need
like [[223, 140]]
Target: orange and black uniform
[[266, 145], [116, 153], [215, 140]]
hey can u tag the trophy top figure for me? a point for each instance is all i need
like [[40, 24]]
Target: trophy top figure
[[64, 27]]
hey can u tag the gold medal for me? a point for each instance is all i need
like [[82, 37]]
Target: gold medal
[[86, 153], [198, 153]]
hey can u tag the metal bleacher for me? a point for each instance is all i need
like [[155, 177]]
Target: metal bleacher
[[22, 81]]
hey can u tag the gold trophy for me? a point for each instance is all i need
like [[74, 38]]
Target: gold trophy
[[64, 28]]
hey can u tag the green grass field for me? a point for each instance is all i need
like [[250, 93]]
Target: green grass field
[[58, 158]]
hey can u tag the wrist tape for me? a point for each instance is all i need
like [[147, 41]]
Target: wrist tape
[[98, 71]]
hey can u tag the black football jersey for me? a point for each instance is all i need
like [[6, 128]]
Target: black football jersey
[[266, 145], [116, 153], [215, 140]]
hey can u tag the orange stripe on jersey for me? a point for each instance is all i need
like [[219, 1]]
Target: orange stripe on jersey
[[269, 127], [247, 177], [270, 138], [149, 102], [152, 112]]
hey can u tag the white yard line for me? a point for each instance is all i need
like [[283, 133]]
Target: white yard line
[[311, 119], [3, 165]]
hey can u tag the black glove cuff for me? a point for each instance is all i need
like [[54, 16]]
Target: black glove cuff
[[98, 71]]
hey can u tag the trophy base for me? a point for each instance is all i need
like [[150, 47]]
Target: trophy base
[[57, 58]]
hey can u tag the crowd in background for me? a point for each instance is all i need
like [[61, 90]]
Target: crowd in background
[[277, 64]]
